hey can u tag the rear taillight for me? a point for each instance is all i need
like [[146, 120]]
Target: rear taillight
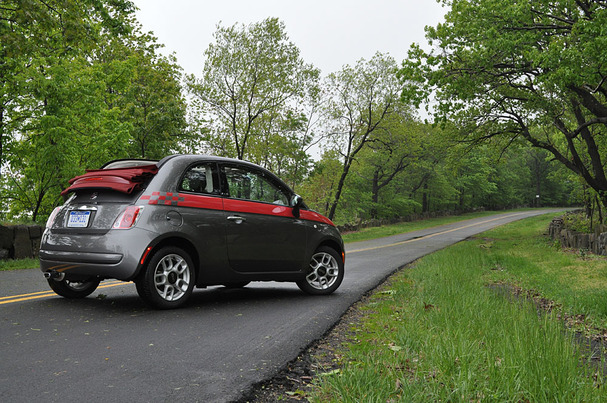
[[51, 218], [128, 218]]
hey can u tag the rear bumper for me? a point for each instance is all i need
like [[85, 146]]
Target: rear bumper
[[115, 254], [81, 257]]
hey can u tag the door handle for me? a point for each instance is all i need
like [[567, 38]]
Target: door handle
[[236, 219]]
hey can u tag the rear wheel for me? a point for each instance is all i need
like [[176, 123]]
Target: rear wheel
[[168, 279], [74, 289], [326, 272]]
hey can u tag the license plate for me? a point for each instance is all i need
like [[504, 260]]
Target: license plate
[[78, 219]]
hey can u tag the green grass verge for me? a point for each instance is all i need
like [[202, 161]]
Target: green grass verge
[[6, 265], [366, 234], [438, 333]]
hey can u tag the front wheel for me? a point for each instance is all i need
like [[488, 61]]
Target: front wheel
[[168, 279], [74, 289], [326, 272]]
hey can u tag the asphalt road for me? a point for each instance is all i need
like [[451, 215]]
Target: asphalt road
[[110, 347]]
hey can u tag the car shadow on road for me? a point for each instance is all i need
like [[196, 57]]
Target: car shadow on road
[[216, 297]]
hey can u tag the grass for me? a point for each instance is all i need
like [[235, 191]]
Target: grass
[[387, 230], [6, 265], [438, 333]]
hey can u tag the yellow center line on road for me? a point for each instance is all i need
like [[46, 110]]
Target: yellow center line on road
[[46, 294], [432, 235]]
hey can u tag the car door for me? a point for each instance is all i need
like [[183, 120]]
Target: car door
[[200, 216], [262, 234]]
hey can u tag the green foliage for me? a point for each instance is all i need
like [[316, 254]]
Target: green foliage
[[511, 72], [82, 86], [153, 104], [578, 222], [319, 187], [438, 176]]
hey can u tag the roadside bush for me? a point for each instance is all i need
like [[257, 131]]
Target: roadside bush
[[577, 221]]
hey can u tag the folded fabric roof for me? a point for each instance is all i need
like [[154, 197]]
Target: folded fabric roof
[[125, 180]]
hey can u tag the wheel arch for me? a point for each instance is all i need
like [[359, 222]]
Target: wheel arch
[[333, 244], [176, 241]]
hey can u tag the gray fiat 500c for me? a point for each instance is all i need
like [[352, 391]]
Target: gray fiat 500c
[[183, 222]]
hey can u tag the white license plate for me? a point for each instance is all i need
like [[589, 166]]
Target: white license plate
[[78, 219]]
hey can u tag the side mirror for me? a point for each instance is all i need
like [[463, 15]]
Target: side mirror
[[296, 203]]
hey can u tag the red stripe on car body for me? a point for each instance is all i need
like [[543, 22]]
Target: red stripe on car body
[[314, 216], [196, 201], [230, 205], [243, 206]]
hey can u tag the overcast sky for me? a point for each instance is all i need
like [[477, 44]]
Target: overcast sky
[[329, 33]]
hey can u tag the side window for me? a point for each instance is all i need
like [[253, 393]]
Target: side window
[[200, 179], [251, 185]]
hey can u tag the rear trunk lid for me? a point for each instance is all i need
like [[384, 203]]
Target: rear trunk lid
[[99, 197]]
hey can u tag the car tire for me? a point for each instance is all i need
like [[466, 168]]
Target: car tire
[[168, 279], [74, 289], [326, 272]]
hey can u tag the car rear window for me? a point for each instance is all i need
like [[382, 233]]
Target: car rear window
[[201, 178]]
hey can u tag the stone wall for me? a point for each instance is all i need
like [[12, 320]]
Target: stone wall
[[595, 243], [20, 241]]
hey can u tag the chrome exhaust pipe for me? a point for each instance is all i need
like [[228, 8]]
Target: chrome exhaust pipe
[[55, 275]]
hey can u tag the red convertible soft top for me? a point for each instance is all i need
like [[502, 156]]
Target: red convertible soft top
[[125, 180]]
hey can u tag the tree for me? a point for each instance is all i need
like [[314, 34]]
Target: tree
[[512, 71], [391, 151], [360, 100], [146, 87], [252, 86], [474, 178], [71, 129], [430, 182], [319, 187], [35, 35], [86, 87]]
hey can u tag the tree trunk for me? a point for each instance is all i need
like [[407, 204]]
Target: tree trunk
[[375, 194], [425, 201], [37, 206], [340, 187]]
